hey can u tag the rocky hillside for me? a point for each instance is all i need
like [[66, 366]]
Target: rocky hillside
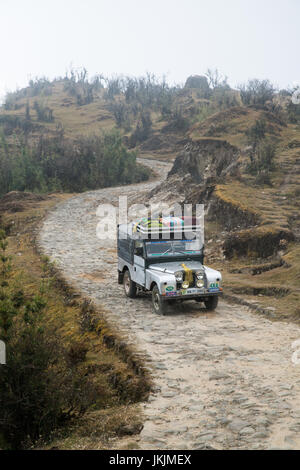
[[151, 115], [252, 221], [239, 152]]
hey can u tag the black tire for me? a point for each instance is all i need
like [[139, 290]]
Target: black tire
[[159, 305], [212, 303], [129, 285]]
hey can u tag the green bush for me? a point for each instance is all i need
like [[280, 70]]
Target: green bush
[[257, 132], [142, 130], [177, 121], [11, 124], [266, 155], [44, 113], [262, 161], [61, 164]]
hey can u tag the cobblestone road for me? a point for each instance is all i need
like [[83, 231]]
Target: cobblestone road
[[223, 380]]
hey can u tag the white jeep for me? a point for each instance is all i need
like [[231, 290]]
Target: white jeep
[[168, 266]]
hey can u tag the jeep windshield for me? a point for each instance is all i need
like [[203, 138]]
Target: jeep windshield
[[173, 248]]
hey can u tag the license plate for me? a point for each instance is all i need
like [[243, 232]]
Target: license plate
[[192, 291]]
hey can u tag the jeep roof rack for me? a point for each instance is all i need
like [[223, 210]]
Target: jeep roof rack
[[162, 227]]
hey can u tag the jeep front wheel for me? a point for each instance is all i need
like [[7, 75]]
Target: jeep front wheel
[[129, 285], [211, 303], [159, 306]]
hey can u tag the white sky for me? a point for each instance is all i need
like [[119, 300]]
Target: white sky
[[242, 38]]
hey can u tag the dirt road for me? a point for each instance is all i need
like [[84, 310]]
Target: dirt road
[[223, 380]]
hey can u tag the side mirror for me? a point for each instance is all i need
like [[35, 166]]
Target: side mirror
[[139, 251]]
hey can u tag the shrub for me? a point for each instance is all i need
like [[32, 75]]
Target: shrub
[[262, 161], [216, 79], [27, 112], [257, 132], [44, 113], [293, 112], [38, 86], [177, 121], [143, 93], [257, 92], [60, 164], [15, 124], [223, 98], [266, 155], [122, 113], [77, 353], [142, 130], [78, 85], [263, 179], [114, 88]]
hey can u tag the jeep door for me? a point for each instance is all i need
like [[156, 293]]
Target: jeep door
[[139, 275]]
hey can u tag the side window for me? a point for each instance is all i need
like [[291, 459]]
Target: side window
[[139, 248]]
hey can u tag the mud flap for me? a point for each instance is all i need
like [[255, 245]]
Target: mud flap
[[120, 277]]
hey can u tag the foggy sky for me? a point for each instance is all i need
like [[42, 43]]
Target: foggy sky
[[242, 38]]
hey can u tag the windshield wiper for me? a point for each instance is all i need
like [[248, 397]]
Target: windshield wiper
[[166, 251]]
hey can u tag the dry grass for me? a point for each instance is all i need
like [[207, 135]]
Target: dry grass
[[116, 427], [277, 210], [76, 120], [231, 124], [110, 367]]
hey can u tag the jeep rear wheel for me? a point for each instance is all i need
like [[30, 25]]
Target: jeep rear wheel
[[211, 303], [159, 306], [129, 285]]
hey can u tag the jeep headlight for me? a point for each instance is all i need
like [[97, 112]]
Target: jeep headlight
[[200, 283], [179, 276], [185, 284]]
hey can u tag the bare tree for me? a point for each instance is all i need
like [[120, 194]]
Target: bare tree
[[256, 92], [216, 79]]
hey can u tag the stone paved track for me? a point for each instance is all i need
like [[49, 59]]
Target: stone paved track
[[223, 380]]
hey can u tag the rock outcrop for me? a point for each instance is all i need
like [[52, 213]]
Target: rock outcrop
[[204, 159]]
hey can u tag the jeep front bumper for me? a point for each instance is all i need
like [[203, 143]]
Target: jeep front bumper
[[191, 293]]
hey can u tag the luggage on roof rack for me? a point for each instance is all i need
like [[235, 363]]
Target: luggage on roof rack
[[167, 225]]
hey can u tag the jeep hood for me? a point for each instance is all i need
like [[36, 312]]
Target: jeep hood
[[173, 266]]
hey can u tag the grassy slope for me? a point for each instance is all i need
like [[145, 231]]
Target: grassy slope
[[116, 409], [96, 117], [76, 120], [276, 206]]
